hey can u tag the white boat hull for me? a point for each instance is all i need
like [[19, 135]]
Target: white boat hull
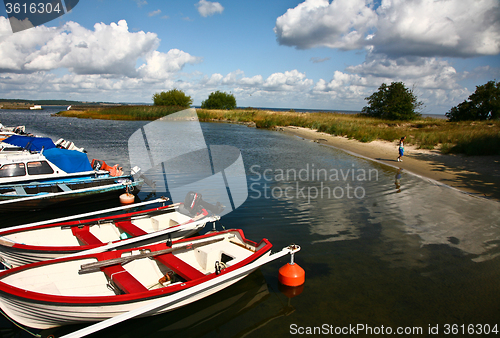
[[40, 243], [69, 291], [15, 257], [45, 316]]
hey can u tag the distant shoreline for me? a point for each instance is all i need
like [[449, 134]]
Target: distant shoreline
[[81, 104], [371, 138], [474, 138]]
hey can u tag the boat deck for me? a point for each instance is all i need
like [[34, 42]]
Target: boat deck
[[138, 275], [96, 234]]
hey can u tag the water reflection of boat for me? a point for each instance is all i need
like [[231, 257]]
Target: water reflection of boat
[[96, 287]]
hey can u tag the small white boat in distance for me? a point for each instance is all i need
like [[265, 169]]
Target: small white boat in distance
[[36, 107], [24, 245], [97, 287]]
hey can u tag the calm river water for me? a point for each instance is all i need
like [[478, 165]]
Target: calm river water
[[384, 251]]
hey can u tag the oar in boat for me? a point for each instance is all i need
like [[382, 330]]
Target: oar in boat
[[181, 295], [118, 218], [142, 238], [96, 266]]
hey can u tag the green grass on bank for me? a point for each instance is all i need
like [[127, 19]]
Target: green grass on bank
[[470, 138], [130, 113]]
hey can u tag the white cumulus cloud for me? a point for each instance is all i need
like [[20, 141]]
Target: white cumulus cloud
[[107, 50], [154, 13], [435, 81], [288, 81], [105, 63], [208, 8], [162, 65], [458, 28], [427, 72], [340, 24], [140, 3]]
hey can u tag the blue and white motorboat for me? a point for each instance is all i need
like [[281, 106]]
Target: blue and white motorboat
[[40, 175]]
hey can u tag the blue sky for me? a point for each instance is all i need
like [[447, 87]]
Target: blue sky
[[315, 54]]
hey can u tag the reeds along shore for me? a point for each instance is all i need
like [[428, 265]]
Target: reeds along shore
[[129, 113], [469, 137]]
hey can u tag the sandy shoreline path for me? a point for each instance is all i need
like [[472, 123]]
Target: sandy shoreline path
[[477, 175]]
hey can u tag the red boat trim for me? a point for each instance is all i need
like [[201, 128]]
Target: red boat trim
[[85, 236], [121, 277], [117, 299], [72, 224], [55, 249], [86, 221], [183, 269], [130, 228]]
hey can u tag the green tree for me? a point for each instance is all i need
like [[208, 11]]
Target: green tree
[[219, 100], [483, 104], [173, 97], [394, 102]]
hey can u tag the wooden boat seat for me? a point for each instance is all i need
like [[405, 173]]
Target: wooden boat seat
[[123, 279], [130, 228], [180, 267], [85, 236]]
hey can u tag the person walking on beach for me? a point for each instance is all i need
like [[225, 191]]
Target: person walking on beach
[[401, 149]]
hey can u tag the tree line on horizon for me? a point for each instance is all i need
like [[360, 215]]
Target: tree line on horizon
[[176, 97], [390, 102], [396, 102], [483, 104]]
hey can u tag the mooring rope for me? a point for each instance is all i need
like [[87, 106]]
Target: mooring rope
[[19, 326]]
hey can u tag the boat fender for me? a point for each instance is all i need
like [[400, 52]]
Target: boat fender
[[127, 198], [116, 171]]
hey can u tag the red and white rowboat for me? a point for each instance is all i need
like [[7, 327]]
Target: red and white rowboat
[[24, 245], [148, 280]]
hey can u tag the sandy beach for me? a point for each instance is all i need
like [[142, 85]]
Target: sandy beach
[[476, 175]]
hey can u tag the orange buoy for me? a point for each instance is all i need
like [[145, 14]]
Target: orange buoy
[[292, 274], [127, 198]]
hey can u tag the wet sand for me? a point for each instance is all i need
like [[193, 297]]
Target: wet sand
[[476, 175]]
